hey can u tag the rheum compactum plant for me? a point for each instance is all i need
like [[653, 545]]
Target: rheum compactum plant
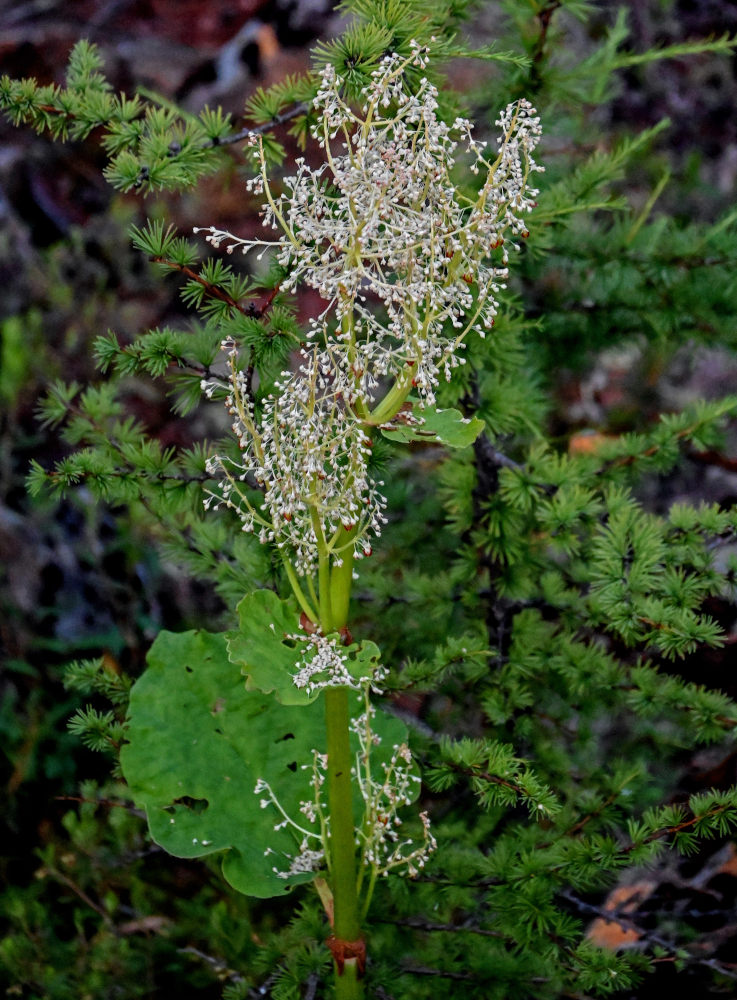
[[408, 269], [561, 596]]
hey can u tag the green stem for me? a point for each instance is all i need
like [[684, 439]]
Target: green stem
[[341, 578], [347, 925], [391, 404], [369, 893], [298, 592], [327, 624]]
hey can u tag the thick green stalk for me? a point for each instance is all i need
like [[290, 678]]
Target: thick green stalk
[[341, 578], [347, 925], [349, 986], [342, 837]]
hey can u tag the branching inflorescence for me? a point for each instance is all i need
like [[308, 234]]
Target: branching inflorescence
[[379, 840], [408, 267], [310, 459]]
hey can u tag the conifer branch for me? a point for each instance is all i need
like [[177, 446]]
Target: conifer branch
[[593, 814], [727, 810], [213, 291], [245, 134], [230, 139], [482, 775], [626, 460], [628, 922]]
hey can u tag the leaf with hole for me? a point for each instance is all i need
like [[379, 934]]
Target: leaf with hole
[[198, 741]]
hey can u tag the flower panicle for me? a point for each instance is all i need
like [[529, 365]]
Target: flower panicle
[[408, 267], [309, 460], [381, 221], [385, 790], [325, 662]]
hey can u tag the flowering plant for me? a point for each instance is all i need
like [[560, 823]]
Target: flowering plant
[[408, 267]]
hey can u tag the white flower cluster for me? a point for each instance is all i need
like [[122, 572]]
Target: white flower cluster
[[382, 846], [381, 223], [309, 458], [324, 664], [310, 856]]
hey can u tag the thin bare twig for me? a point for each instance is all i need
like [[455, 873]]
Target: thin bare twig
[[428, 925], [103, 802], [65, 880], [424, 970], [219, 967], [245, 133], [312, 983]]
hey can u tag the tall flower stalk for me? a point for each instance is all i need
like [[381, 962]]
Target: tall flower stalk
[[409, 268]]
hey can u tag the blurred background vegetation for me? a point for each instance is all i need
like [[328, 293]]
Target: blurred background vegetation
[[89, 907]]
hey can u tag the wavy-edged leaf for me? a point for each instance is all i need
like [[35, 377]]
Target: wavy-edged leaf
[[433, 426], [269, 658], [198, 741]]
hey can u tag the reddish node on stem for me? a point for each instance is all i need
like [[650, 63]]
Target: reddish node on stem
[[342, 950]]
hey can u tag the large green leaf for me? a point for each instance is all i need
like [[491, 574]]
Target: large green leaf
[[448, 427], [197, 743], [269, 659]]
